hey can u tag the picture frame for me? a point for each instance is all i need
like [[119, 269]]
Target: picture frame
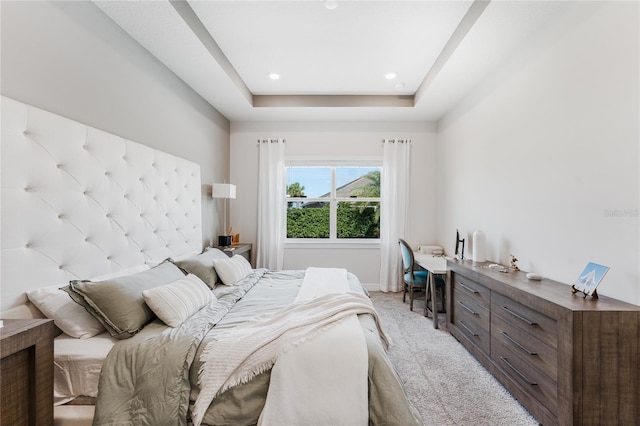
[[589, 279]]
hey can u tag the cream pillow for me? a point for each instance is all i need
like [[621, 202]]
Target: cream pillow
[[175, 302], [67, 315], [233, 269]]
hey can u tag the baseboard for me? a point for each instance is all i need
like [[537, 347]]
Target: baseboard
[[371, 286]]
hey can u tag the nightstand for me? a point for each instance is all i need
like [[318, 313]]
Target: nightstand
[[26, 368], [243, 249]]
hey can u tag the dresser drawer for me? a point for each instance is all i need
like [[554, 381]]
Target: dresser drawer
[[476, 292], [530, 349], [532, 380], [463, 302], [538, 325], [472, 328]]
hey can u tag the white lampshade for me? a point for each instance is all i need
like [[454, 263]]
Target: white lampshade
[[223, 190]]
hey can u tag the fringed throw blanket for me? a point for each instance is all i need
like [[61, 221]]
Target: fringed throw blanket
[[254, 347]]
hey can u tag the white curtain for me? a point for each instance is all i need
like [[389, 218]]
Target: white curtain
[[271, 204], [394, 210]]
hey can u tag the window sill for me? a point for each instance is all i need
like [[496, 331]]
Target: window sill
[[332, 244]]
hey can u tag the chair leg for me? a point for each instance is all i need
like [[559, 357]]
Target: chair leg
[[411, 298]]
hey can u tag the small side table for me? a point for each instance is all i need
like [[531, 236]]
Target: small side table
[[26, 367], [243, 249]]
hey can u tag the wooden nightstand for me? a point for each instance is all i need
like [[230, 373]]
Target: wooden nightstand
[[243, 249], [26, 368]]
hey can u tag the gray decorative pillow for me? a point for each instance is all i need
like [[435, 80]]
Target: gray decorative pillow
[[118, 302], [201, 265]]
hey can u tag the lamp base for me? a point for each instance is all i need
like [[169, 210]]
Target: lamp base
[[225, 240]]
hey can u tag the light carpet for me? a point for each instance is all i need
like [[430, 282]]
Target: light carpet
[[445, 383]]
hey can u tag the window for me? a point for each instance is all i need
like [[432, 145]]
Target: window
[[336, 202]]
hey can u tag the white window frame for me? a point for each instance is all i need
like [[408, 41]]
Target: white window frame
[[333, 239]]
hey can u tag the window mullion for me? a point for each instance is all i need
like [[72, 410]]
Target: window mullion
[[333, 218]]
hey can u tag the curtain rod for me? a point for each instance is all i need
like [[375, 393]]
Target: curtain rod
[[396, 140], [270, 140]]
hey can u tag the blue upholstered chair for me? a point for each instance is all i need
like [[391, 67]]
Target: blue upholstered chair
[[413, 280]]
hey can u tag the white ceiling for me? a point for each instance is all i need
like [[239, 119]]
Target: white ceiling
[[332, 62]]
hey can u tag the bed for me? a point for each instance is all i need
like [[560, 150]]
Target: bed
[[117, 226]]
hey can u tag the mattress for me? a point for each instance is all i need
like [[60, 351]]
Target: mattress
[[77, 364]]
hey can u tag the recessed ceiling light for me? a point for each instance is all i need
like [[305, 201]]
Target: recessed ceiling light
[[390, 75], [399, 86], [331, 4], [274, 76]]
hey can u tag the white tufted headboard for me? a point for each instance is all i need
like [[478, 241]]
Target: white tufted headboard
[[78, 202]]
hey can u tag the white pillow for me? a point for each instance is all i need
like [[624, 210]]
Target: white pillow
[[175, 302], [66, 314], [233, 269]]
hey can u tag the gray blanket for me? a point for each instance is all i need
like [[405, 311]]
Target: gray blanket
[[151, 378]]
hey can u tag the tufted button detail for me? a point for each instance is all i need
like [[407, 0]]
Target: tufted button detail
[[59, 166], [108, 257], [25, 133], [60, 216], [28, 245], [60, 267]]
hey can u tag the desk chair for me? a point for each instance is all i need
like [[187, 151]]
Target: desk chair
[[413, 280]]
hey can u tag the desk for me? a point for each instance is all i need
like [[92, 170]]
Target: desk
[[436, 265]]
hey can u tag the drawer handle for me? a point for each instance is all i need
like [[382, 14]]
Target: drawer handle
[[467, 308], [520, 317], [512, 340], [469, 288], [506, 361], [473, 333]]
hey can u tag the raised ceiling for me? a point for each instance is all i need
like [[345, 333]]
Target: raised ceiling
[[332, 63]]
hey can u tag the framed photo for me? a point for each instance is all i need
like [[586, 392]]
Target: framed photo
[[589, 279]]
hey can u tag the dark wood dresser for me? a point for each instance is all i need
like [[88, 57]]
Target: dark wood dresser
[[26, 372], [567, 359]]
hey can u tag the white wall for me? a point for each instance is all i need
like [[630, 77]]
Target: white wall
[[71, 59], [331, 140], [544, 157]]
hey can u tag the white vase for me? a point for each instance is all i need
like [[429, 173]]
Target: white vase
[[479, 253]]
